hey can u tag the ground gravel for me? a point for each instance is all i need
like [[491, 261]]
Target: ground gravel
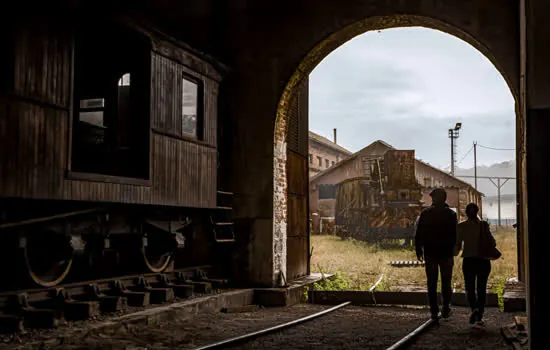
[[352, 327]]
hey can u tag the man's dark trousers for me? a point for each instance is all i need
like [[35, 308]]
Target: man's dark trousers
[[435, 264]]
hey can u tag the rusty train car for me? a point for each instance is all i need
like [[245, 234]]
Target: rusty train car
[[383, 204], [108, 151]]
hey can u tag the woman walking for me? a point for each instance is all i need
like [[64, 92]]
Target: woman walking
[[478, 247]]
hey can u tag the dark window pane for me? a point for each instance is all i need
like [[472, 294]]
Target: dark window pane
[[189, 108]]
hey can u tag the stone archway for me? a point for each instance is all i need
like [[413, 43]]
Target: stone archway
[[294, 86]]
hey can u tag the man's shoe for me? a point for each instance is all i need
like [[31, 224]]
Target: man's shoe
[[435, 315], [446, 313], [474, 317]]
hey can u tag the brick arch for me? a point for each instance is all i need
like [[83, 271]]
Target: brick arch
[[301, 73]]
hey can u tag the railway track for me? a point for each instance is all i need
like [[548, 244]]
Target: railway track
[[407, 340], [46, 307], [239, 340]]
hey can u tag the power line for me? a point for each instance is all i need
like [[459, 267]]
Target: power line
[[471, 149], [497, 149]]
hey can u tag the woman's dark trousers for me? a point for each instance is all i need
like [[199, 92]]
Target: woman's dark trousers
[[476, 270]]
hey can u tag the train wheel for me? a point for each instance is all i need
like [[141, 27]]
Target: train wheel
[[154, 261], [47, 258], [158, 252]]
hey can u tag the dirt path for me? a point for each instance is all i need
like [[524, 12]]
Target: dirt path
[[349, 328]]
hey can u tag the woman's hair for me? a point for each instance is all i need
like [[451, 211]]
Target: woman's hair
[[472, 207]]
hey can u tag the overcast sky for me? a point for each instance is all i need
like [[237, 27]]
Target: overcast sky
[[408, 86]]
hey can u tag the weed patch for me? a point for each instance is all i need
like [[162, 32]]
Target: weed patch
[[358, 265]]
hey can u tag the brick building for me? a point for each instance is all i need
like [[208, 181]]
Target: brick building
[[322, 189], [324, 154]]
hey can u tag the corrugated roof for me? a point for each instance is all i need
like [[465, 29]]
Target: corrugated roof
[[388, 147], [326, 142]]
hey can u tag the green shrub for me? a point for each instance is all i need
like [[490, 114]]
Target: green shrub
[[338, 281]]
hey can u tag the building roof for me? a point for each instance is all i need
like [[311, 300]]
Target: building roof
[[326, 142], [382, 148]]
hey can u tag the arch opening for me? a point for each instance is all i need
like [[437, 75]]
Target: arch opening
[[294, 87]]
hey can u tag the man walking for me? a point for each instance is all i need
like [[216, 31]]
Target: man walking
[[435, 241]]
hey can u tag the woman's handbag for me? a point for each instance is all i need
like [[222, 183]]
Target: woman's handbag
[[487, 244]]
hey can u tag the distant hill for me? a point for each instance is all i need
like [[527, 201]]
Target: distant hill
[[507, 169], [503, 197]]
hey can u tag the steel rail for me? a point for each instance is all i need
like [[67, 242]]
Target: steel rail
[[49, 218], [404, 341], [45, 293], [376, 284], [249, 336]]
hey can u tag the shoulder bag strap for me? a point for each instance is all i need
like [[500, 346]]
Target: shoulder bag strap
[[481, 242]]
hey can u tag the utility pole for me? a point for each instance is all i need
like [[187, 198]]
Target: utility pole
[[498, 185], [454, 134], [475, 163]]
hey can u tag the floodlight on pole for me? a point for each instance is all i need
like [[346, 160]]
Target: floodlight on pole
[[453, 135]]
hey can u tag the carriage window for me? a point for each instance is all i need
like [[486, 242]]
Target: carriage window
[[111, 102], [189, 110], [91, 111], [124, 80]]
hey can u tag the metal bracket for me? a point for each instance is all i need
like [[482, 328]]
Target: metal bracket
[[163, 279], [93, 291], [18, 302], [59, 296], [142, 282], [199, 274], [22, 242], [119, 286]]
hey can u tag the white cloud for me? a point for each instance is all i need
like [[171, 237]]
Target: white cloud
[[407, 86]]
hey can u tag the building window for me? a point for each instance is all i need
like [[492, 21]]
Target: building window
[[427, 182], [311, 158], [111, 111], [190, 110], [320, 160], [327, 163], [333, 162], [327, 191]]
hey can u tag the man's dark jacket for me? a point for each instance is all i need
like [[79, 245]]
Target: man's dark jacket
[[436, 232]]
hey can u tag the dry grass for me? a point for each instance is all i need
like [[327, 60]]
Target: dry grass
[[361, 264]]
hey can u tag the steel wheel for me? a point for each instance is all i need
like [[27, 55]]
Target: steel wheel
[[47, 259], [154, 261]]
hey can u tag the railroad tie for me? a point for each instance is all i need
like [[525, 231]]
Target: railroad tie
[[406, 263]]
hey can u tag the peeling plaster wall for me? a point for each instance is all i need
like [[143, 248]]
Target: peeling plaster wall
[[279, 211]]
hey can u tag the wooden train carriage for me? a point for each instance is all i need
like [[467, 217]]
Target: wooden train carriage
[[383, 204], [107, 112], [95, 112]]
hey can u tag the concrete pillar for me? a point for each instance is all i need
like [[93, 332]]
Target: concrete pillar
[[536, 95]]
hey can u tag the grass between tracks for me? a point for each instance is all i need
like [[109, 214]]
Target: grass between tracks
[[358, 265]]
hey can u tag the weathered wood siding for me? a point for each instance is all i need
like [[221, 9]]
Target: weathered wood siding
[[35, 135], [183, 169], [297, 191]]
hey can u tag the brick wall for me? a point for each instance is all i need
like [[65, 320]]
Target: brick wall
[[325, 153]]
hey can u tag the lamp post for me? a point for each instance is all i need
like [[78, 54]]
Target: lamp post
[[454, 134]]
